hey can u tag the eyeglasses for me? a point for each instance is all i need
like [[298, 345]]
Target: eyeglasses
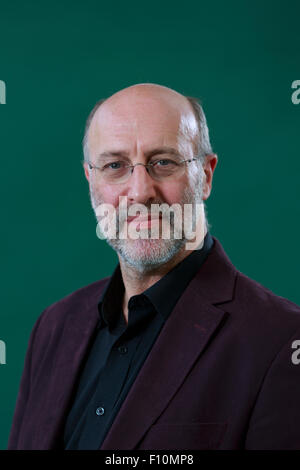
[[119, 171]]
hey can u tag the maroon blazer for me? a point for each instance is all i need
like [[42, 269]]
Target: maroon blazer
[[219, 376]]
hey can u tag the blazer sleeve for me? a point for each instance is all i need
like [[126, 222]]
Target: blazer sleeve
[[24, 391], [274, 423]]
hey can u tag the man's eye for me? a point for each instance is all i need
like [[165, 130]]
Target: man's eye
[[113, 166], [165, 162]]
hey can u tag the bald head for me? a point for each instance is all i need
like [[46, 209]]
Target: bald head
[[147, 107], [150, 90]]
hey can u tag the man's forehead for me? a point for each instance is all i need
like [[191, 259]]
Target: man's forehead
[[119, 126], [135, 134], [145, 120], [124, 140], [143, 117]]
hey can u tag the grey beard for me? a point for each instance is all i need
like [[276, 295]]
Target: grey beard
[[156, 251], [158, 255]]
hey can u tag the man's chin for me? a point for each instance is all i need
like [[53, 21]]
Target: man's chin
[[146, 254]]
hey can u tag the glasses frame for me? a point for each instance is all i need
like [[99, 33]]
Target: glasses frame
[[146, 165]]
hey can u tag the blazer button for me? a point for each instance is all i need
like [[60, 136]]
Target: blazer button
[[100, 411], [122, 349]]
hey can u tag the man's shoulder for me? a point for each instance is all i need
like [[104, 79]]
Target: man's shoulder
[[263, 314], [251, 303], [256, 293], [76, 303]]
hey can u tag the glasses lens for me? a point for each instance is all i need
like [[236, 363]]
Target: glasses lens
[[114, 172], [166, 168]]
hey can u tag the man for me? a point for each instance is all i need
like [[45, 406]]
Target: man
[[178, 349]]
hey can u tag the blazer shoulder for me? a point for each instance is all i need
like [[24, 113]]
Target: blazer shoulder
[[262, 294], [264, 307], [74, 303], [248, 295]]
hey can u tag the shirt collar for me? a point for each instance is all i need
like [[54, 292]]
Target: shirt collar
[[163, 295]]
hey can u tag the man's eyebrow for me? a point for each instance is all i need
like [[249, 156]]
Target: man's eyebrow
[[109, 154], [148, 154], [160, 150]]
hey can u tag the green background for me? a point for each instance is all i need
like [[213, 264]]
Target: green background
[[59, 58]]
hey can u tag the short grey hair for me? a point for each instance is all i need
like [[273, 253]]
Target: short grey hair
[[87, 127], [203, 145]]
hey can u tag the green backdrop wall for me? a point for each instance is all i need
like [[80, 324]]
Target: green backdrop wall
[[58, 58]]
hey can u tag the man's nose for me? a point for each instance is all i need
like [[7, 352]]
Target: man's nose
[[141, 187]]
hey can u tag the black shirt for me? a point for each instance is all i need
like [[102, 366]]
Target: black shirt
[[119, 350]]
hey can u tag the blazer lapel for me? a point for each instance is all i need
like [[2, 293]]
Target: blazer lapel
[[182, 339]]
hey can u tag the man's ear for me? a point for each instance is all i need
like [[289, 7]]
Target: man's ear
[[86, 170], [209, 166]]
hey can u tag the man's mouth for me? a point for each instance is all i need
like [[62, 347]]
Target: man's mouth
[[144, 222]]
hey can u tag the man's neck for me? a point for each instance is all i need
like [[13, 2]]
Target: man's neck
[[136, 282]]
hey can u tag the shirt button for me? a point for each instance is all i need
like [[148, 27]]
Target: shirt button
[[122, 349], [100, 411]]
